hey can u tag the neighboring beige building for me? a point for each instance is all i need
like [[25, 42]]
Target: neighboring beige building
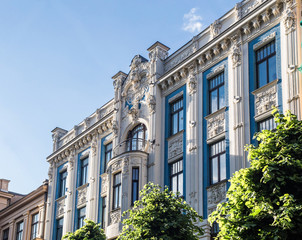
[[22, 217]]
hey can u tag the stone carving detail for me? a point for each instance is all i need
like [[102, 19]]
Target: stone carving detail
[[125, 166], [216, 123], [180, 57], [175, 146], [215, 28], [94, 145], [265, 99], [215, 71], [86, 123], [264, 41], [50, 172], [158, 53], [82, 192], [151, 101], [289, 20], [104, 184], [60, 207], [116, 166], [216, 194], [251, 6], [115, 127], [115, 216], [192, 82], [236, 55], [238, 11]]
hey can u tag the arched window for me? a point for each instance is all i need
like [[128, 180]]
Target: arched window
[[136, 138]]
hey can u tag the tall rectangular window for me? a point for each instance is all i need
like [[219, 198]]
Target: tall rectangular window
[[108, 154], [34, 226], [117, 191], [176, 177], [216, 93], [267, 124], [135, 181], [81, 217], [266, 64], [104, 208], [5, 234], [62, 186], [19, 234], [59, 229], [177, 116], [218, 161], [84, 171]]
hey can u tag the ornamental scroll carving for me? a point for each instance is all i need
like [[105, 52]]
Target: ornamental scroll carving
[[115, 217], [175, 146], [60, 207], [289, 20], [216, 123], [116, 166], [265, 98], [216, 194], [82, 193]]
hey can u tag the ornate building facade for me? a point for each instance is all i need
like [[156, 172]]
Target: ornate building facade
[[180, 120]]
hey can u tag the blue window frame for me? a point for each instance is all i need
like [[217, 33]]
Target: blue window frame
[[177, 116], [108, 154], [104, 209], [217, 162], [135, 184], [267, 124], [117, 196], [81, 217], [216, 93], [266, 67], [176, 177], [59, 228], [84, 171], [62, 183], [136, 138]]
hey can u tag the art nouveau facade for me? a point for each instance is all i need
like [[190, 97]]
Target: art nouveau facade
[[180, 120]]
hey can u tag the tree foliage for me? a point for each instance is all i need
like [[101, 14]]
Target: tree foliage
[[160, 215], [90, 231], [265, 200]]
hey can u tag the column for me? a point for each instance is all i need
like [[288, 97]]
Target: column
[[41, 221]]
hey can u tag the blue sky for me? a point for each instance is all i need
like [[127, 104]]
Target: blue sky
[[57, 58]]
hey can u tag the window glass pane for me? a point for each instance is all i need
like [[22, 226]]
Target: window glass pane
[[262, 74], [222, 167], [213, 101], [214, 170], [221, 97], [272, 68], [180, 184], [181, 120], [174, 184], [175, 123], [59, 232]]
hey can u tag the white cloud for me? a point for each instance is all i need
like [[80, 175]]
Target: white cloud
[[192, 21]]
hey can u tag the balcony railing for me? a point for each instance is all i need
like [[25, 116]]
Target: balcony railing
[[130, 145]]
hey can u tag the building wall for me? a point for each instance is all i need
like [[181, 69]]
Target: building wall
[[141, 110]]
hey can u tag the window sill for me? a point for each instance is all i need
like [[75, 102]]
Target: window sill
[[175, 134], [221, 110], [218, 183], [83, 186]]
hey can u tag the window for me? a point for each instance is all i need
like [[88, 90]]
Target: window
[[84, 171], [59, 230], [266, 64], [62, 186], [218, 162], [267, 124], [5, 234], [214, 230], [81, 217], [19, 235], [135, 179], [136, 138], [216, 93], [177, 116], [104, 212], [176, 177], [34, 226], [108, 154], [117, 191]]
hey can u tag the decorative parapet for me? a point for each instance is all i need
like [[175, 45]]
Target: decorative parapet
[[216, 125], [265, 99], [105, 184], [115, 216], [175, 146], [82, 196], [216, 194], [60, 207]]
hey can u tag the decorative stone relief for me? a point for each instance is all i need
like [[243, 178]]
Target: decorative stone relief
[[115, 216], [175, 146], [115, 127], [180, 57], [289, 20], [50, 172], [216, 123], [151, 103], [94, 145], [158, 53], [264, 41], [216, 194], [238, 11], [247, 8], [60, 207], [125, 166], [236, 55], [265, 98], [215, 71], [192, 82], [86, 123], [116, 166], [105, 183], [71, 159], [215, 28], [82, 193]]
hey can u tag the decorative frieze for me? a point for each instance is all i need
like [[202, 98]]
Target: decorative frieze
[[82, 196], [175, 146], [216, 71], [60, 207], [215, 124], [265, 99], [115, 216], [264, 41], [216, 194]]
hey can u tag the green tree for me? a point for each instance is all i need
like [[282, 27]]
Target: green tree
[[160, 215], [90, 231], [265, 200]]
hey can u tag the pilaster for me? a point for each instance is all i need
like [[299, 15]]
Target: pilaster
[[41, 226]]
